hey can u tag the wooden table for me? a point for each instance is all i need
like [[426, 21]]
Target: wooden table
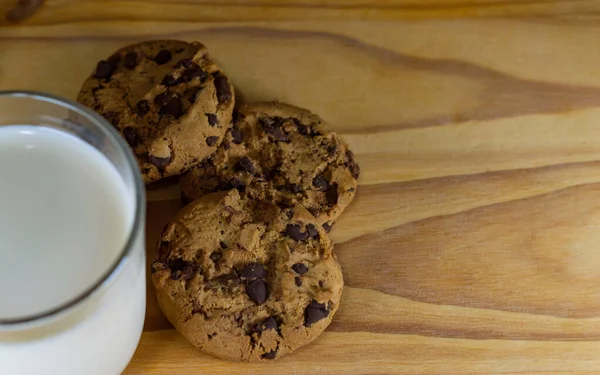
[[473, 244]]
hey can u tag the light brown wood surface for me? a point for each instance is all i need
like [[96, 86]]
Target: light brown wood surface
[[473, 245]]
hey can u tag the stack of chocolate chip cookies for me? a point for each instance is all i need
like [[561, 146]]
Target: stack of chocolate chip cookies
[[246, 270]]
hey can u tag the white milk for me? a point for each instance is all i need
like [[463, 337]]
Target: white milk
[[65, 216]]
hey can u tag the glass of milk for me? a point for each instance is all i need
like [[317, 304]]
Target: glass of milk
[[72, 254]]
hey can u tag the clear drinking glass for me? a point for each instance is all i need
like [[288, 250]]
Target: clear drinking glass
[[97, 329]]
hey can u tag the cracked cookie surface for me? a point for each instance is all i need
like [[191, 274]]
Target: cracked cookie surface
[[170, 101], [281, 153], [244, 280]]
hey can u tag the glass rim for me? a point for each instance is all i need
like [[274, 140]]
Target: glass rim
[[140, 206]]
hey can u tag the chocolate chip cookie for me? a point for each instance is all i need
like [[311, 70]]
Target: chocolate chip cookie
[[281, 153], [246, 280], [169, 99]]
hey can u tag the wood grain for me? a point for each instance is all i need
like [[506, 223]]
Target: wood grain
[[375, 353], [472, 244]]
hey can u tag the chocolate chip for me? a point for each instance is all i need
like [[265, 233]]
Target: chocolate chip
[[112, 117], [198, 309], [315, 312], [271, 175], [212, 119], [181, 63], [267, 324], [320, 183], [295, 188], [131, 60], [223, 89], [143, 106], [212, 140], [187, 63], [176, 266], [270, 323], [277, 134], [104, 69], [169, 104], [192, 94], [245, 164], [215, 257], [237, 136], [327, 227], [272, 126], [300, 268], [298, 281], [321, 284], [99, 87], [302, 129], [294, 232], [332, 149], [163, 251], [289, 214], [131, 136], [312, 231], [237, 184], [352, 165], [160, 163], [254, 271], [190, 74], [270, 355], [161, 99], [170, 81], [188, 273], [223, 245], [275, 122], [257, 290], [163, 57], [313, 211], [332, 194]]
